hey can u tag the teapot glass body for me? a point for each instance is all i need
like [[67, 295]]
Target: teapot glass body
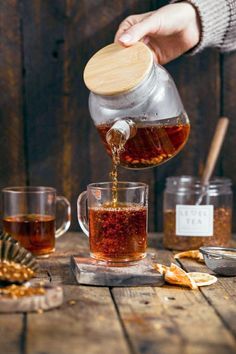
[[150, 117]]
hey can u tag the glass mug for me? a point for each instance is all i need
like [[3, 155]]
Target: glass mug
[[29, 216], [117, 230]]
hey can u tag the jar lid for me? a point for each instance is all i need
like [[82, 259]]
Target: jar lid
[[187, 184], [115, 69]]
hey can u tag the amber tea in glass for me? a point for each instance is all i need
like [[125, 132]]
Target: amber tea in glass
[[29, 216], [117, 232], [35, 232]]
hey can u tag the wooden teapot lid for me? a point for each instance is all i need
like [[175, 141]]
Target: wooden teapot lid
[[115, 69]]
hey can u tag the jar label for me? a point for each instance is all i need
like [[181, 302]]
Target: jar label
[[194, 220]]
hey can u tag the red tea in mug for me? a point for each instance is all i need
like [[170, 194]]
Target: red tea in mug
[[34, 232], [118, 233]]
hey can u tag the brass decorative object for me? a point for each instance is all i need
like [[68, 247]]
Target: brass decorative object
[[17, 265]]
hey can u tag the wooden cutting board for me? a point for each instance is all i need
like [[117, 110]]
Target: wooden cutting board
[[88, 271]]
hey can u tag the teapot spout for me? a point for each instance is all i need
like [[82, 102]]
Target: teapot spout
[[120, 132]]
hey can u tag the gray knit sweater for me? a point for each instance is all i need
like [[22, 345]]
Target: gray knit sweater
[[218, 24]]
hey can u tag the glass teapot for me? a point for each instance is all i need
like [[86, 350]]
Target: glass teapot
[[134, 102]]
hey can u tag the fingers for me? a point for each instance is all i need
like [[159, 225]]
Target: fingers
[[133, 29], [127, 23], [137, 32], [124, 26]]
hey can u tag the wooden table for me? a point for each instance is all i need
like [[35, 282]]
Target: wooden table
[[124, 320]]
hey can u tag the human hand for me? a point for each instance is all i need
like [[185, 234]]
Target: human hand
[[169, 31]]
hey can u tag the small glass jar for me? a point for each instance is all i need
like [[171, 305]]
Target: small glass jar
[[196, 216]]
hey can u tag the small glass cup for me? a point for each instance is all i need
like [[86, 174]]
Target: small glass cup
[[117, 230], [29, 216]]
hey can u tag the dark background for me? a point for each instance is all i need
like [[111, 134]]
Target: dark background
[[47, 136]]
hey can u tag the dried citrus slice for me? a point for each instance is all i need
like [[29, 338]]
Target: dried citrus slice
[[194, 254], [161, 268], [176, 275], [202, 279]]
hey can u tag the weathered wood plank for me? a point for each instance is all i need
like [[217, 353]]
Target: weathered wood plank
[[43, 62], [221, 296], [87, 321], [198, 81], [154, 320], [71, 244], [12, 333], [171, 319], [228, 160], [76, 162], [57, 270], [56, 138], [12, 160]]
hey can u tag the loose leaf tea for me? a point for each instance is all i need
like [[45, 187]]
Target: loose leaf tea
[[221, 235], [152, 145], [148, 144], [18, 291], [15, 272]]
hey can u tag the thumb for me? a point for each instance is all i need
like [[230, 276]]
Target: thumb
[[138, 31]]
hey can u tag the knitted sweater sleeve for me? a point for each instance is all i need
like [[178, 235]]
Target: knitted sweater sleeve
[[218, 24]]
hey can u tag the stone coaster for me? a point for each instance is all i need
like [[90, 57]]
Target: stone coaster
[[88, 271]]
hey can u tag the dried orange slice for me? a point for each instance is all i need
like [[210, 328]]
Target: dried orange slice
[[194, 254], [202, 279], [176, 275], [161, 268]]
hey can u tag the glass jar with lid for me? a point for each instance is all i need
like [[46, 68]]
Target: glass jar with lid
[[189, 224], [135, 99]]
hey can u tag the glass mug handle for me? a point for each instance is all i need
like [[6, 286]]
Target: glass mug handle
[[82, 212], [67, 219]]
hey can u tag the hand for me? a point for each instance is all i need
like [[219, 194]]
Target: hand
[[169, 31]]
